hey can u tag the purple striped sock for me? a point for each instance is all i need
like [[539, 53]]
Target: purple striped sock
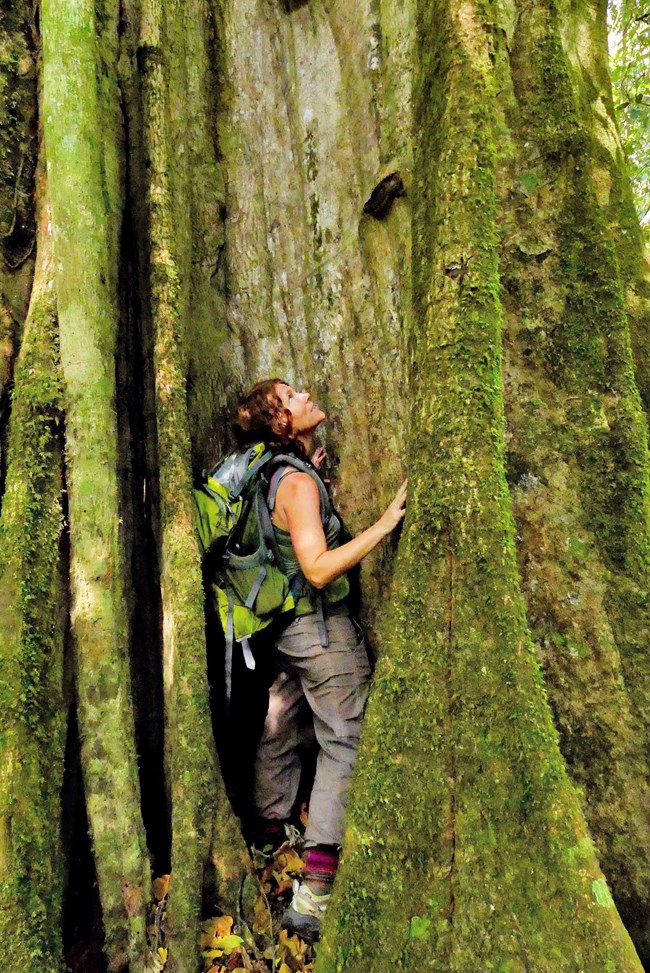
[[321, 863]]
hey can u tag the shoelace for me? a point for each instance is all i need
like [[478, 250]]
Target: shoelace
[[294, 835]]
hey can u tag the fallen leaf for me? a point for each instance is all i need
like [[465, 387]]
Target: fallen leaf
[[291, 951], [160, 887], [223, 926], [261, 917], [213, 929], [228, 943]]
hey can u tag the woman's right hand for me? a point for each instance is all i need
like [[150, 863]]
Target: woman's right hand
[[394, 513]]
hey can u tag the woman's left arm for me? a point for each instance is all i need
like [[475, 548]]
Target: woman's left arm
[[299, 502]]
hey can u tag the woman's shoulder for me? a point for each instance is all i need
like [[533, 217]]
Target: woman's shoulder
[[295, 482]]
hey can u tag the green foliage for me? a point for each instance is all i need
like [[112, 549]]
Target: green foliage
[[630, 68]]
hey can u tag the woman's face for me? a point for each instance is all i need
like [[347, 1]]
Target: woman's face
[[305, 414]]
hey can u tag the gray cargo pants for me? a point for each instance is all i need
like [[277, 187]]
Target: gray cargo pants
[[333, 683]]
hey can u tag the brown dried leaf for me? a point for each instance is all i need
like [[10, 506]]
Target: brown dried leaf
[[223, 926], [160, 887]]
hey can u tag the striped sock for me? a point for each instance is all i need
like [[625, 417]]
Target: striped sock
[[321, 863]]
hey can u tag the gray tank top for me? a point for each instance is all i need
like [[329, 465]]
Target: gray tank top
[[337, 590]]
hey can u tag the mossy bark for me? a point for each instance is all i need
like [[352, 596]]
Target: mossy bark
[[588, 57], [232, 185], [490, 865], [167, 38], [18, 151], [568, 367], [32, 626], [84, 143]]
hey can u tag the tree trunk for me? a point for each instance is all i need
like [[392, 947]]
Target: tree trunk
[[232, 187], [580, 493], [192, 771], [32, 625], [83, 142], [490, 836]]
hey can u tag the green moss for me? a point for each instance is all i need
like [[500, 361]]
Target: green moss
[[83, 132], [32, 724], [173, 197], [473, 831], [579, 466]]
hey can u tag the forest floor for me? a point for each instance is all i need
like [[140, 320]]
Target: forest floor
[[262, 947]]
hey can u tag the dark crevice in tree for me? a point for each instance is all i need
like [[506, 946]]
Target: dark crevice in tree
[[83, 932], [135, 420], [381, 199], [290, 5], [18, 143], [214, 42], [18, 149]]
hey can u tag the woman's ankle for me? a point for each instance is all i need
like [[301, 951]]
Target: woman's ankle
[[321, 863]]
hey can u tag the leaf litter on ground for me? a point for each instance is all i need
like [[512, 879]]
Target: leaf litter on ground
[[265, 947]]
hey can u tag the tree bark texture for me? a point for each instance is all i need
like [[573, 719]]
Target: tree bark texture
[[32, 626], [421, 212], [82, 122]]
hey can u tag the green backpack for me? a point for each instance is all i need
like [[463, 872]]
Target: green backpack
[[244, 566]]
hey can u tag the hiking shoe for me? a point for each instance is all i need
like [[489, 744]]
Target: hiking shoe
[[305, 914]]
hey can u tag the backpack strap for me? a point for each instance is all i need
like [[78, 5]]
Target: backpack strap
[[281, 460], [276, 476], [230, 639], [320, 619], [249, 658]]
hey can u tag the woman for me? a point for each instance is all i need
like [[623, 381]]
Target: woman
[[330, 674]]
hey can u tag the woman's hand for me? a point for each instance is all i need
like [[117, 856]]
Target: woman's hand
[[395, 511], [318, 457], [298, 505]]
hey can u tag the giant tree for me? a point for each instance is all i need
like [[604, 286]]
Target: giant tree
[[422, 210]]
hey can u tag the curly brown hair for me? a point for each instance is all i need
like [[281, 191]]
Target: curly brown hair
[[261, 417]]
